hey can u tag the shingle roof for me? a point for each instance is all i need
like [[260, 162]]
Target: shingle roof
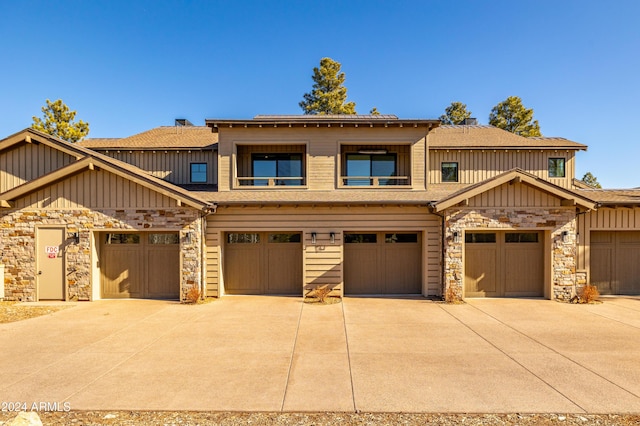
[[612, 196], [481, 136], [329, 120], [342, 196], [165, 137]]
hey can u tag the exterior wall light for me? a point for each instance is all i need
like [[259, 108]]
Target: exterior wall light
[[313, 237], [565, 234], [332, 237], [188, 238], [76, 237], [456, 237]]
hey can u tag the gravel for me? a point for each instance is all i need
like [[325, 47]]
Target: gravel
[[360, 419]]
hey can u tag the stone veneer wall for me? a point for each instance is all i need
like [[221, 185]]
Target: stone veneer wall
[[17, 242], [558, 220]]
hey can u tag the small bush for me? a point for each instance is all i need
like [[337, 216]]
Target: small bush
[[452, 297], [193, 295], [589, 294], [321, 293]]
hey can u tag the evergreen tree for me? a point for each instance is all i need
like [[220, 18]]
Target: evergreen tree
[[58, 121], [455, 113], [591, 180], [328, 95], [512, 116]]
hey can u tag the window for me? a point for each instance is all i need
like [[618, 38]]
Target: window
[[360, 238], [243, 238], [475, 238], [284, 238], [164, 239], [198, 172], [521, 237], [556, 167], [285, 166], [362, 167], [122, 239], [400, 238], [449, 172]]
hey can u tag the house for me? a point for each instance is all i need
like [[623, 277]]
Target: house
[[282, 204]]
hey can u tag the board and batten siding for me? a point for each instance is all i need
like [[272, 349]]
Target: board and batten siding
[[95, 189], [519, 195], [603, 219], [172, 166], [477, 165], [28, 162], [323, 149], [323, 261]]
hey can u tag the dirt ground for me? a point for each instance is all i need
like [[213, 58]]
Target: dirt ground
[[15, 311]]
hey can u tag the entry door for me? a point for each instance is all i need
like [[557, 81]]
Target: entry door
[[50, 247]]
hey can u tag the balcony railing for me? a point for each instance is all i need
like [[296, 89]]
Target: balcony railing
[[375, 181], [270, 181]]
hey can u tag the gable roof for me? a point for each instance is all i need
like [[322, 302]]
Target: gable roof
[[612, 196], [164, 137], [89, 160], [481, 136], [572, 197]]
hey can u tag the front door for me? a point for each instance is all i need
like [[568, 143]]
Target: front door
[[50, 274]]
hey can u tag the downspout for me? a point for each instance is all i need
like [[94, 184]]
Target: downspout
[[432, 208]]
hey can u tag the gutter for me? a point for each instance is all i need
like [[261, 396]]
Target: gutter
[[432, 209]]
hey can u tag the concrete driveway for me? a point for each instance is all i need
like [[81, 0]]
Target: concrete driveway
[[367, 354]]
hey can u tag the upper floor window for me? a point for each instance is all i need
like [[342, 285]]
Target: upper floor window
[[556, 167], [370, 169], [449, 172], [276, 169], [198, 173]]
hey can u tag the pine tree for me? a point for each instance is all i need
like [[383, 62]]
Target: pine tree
[[591, 180], [513, 117], [328, 95], [455, 113], [58, 121]]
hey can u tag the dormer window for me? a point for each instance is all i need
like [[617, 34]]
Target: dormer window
[[556, 167]]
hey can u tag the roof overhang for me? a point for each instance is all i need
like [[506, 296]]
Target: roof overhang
[[568, 197], [323, 121], [32, 136]]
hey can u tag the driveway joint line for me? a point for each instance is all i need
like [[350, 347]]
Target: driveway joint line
[[512, 358], [115, 366], [613, 319], [556, 352], [293, 351], [346, 339]]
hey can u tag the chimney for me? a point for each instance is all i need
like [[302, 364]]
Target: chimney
[[470, 122], [183, 122]]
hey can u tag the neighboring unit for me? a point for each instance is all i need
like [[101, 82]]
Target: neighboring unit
[[368, 205]]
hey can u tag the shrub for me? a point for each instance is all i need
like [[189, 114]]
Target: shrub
[[321, 293], [193, 295], [589, 294], [451, 296]]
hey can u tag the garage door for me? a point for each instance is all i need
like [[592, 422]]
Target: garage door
[[140, 265], [263, 263], [504, 264], [382, 263], [615, 261]]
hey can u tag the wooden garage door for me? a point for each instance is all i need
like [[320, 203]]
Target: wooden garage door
[[615, 261], [263, 263], [382, 263], [140, 265], [504, 264]]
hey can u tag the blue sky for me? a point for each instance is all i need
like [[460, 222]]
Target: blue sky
[[130, 66]]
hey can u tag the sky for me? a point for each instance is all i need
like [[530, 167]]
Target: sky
[[129, 66]]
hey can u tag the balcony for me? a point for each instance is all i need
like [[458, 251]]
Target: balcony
[[270, 166], [375, 166]]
